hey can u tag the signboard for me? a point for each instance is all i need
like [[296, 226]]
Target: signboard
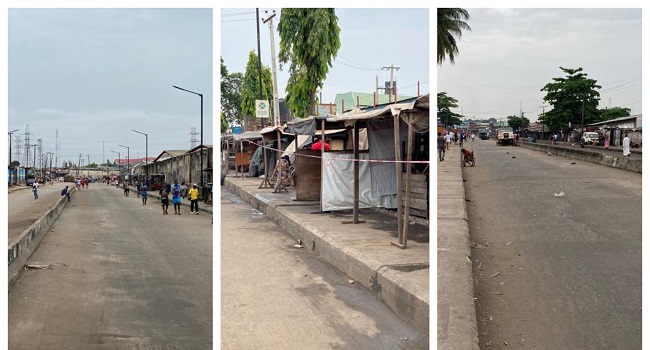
[[262, 109]]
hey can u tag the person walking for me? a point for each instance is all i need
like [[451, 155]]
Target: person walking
[[176, 198], [194, 200], [606, 143], [126, 189], [183, 190], [448, 139], [472, 137], [626, 146], [164, 199], [35, 189], [66, 192], [441, 147], [138, 188], [143, 194]]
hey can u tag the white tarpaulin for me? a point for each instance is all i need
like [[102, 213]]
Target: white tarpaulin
[[338, 182]]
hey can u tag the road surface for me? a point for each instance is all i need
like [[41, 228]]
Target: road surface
[[24, 210], [121, 276], [556, 251], [274, 296]]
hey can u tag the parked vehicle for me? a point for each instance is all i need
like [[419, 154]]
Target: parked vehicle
[[505, 136], [590, 138], [483, 134]]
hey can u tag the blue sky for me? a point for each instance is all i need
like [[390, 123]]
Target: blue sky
[[95, 74]]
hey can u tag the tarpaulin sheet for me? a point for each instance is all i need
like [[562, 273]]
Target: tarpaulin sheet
[[337, 185]]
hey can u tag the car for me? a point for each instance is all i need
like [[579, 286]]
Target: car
[[590, 138]]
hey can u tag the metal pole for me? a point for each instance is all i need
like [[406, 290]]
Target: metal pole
[[276, 103], [259, 54], [322, 156]]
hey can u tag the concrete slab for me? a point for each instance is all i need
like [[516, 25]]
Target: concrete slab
[[363, 251]]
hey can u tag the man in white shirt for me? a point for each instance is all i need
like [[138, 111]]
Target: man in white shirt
[[448, 139]]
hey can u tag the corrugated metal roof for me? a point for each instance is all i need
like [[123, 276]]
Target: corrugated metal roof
[[365, 100]]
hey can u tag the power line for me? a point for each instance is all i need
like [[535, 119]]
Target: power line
[[239, 20], [236, 14]]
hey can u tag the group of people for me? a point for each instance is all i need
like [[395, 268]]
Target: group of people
[[81, 182], [445, 141], [177, 195]]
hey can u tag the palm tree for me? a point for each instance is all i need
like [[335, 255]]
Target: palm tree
[[450, 24]]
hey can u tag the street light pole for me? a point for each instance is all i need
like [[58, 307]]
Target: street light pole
[[201, 146], [118, 163], [11, 133], [128, 161], [146, 155]]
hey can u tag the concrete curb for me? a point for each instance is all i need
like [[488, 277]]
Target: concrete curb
[[410, 303], [457, 327], [22, 248], [589, 155]]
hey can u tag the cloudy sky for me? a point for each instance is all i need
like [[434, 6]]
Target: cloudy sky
[[370, 40], [510, 54], [95, 74]]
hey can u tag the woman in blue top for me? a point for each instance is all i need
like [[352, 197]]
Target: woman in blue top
[[176, 198], [143, 193]]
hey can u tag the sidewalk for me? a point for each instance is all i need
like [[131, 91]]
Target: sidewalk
[[457, 327], [400, 278]]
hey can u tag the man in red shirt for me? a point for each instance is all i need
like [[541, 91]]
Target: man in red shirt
[[316, 146]]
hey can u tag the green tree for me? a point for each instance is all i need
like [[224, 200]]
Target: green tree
[[251, 86], [515, 122], [309, 39], [451, 24], [224, 123], [14, 164], [92, 165], [613, 113], [445, 115], [570, 96], [231, 94]]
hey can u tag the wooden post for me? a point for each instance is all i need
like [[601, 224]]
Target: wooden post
[[355, 210], [398, 170], [241, 152], [322, 155], [407, 201]]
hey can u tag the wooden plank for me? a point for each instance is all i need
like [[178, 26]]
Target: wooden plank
[[417, 203], [419, 213], [417, 190], [417, 195]]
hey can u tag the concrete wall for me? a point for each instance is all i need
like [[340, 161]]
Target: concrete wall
[[588, 155], [186, 167], [21, 249]]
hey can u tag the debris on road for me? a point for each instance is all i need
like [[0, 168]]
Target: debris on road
[[514, 157], [502, 283], [475, 245], [509, 243], [497, 293], [495, 274], [573, 162], [561, 194], [351, 281], [38, 267]]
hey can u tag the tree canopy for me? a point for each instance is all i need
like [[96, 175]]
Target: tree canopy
[[514, 122], [309, 40], [569, 96], [613, 113], [451, 23], [231, 94], [446, 116], [251, 86]]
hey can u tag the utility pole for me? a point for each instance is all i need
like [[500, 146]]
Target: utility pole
[[79, 164], [542, 107], [259, 54], [392, 82], [276, 103]]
